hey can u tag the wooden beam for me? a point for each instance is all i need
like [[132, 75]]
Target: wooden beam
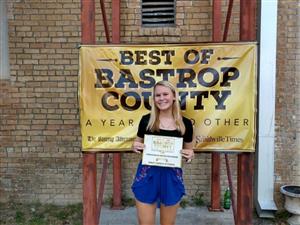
[[89, 189], [215, 157], [248, 20], [228, 17], [117, 177], [102, 185], [88, 29], [246, 160], [217, 21], [245, 189], [104, 18], [215, 183], [89, 159], [116, 21]]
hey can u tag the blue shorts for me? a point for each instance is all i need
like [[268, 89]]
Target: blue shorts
[[158, 184]]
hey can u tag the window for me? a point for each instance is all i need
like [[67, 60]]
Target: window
[[158, 13]]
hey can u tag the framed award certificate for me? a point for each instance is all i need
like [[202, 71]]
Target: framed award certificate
[[162, 151]]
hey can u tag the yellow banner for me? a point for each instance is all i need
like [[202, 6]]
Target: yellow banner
[[216, 84]]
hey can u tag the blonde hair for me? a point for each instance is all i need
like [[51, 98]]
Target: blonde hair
[[153, 124]]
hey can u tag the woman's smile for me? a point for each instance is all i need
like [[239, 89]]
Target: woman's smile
[[164, 97]]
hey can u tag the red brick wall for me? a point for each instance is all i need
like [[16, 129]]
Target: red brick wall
[[42, 149], [39, 128], [287, 149]]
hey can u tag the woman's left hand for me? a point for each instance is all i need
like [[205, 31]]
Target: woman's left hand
[[188, 154]]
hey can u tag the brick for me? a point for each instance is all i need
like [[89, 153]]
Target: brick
[[41, 132]]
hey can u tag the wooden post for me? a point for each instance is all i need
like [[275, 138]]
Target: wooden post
[[215, 157], [89, 189], [217, 20], [117, 178], [246, 160], [101, 185], [215, 182], [89, 159], [116, 21], [245, 189]]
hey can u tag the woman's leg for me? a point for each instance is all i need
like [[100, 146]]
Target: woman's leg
[[146, 213], [168, 214]]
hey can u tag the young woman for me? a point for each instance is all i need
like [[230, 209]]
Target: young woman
[[161, 185]]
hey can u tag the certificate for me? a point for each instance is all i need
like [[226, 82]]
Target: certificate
[[162, 151]]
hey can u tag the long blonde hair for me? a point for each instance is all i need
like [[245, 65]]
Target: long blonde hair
[[153, 124]]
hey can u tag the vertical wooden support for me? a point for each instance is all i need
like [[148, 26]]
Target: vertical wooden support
[[101, 185], [217, 20], [215, 183], [229, 11], [246, 160], [89, 159], [89, 189], [215, 163], [117, 178], [248, 20], [88, 29], [245, 189], [116, 21], [228, 170], [104, 18]]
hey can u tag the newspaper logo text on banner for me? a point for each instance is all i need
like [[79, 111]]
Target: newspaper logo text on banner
[[216, 85]]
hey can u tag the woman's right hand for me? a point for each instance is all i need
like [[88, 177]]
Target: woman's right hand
[[137, 147]]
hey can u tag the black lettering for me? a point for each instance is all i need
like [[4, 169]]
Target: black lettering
[[136, 104], [186, 79], [121, 123], [105, 98], [207, 122], [229, 73], [220, 99], [203, 72], [146, 96], [140, 60], [112, 122], [183, 95], [206, 53], [130, 122], [166, 73], [195, 56], [88, 123], [227, 122], [103, 122], [168, 54], [199, 96], [144, 77], [126, 77], [154, 57], [104, 81], [236, 122], [126, 57]]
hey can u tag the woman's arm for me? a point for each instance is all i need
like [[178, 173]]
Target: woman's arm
[[187, 151], [138, 145]]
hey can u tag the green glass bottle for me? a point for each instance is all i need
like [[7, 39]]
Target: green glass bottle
[[227, 199]]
